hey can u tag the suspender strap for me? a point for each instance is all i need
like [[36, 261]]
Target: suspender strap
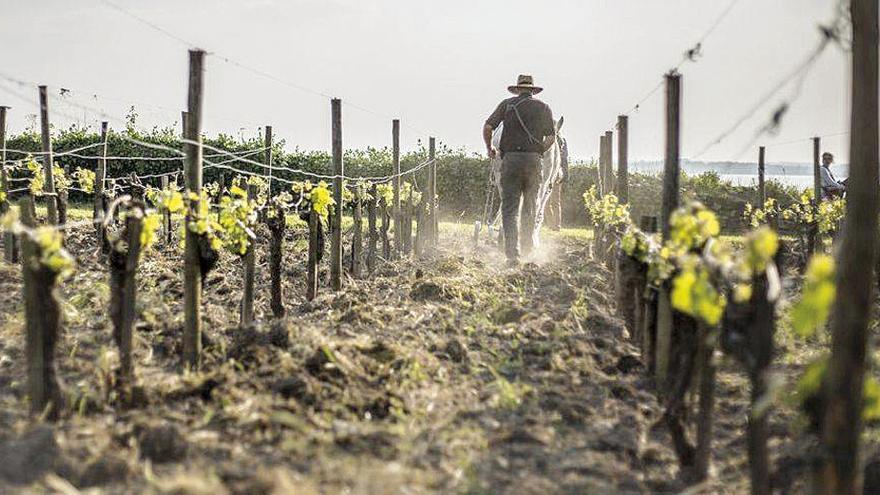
[[519, 118]]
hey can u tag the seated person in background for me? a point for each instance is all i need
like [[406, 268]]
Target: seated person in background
[[831, 188]]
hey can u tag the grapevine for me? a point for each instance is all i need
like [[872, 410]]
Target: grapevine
[[766, 214], [237, 218], [385, 194], [825, 217], [317, 196], [86, 179], [409, 194], [607, 210], [49, 241], [818, 294], [37, 180]]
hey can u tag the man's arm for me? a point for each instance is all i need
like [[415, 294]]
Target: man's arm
[[489, 127], [487, 138]]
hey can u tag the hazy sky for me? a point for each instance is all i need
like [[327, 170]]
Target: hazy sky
[[441, 66]]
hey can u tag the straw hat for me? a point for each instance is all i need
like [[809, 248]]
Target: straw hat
[[524, 81]]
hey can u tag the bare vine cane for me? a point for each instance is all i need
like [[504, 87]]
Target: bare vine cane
[[123, 260]]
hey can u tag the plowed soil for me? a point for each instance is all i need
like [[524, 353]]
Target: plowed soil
[[445, 374]]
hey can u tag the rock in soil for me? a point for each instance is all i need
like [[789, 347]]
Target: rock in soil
[[28, 457], [162, 443]]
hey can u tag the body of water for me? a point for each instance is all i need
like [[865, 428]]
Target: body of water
[[799, 175], [799, 181]]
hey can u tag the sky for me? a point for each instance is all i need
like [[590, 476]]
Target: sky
[[441, 67]]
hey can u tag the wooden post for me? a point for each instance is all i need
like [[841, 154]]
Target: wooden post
[[434, 226], [841, 471], [813, 237], [647, 302], [61, 202], [372, 234], [670, 203], [419, 241], [357, 242], [100, 200], [762, 191], [385, 213], [277, 225], [267, 156], [192, 284], [609, 161], [398, 227], [603, 186], [623, 159], [408, 220], [123, 290], [42, 322], [246, 318], [9, 245], [760, 341], [166, 215], [48, 161], [817, 164], [336, 220], [706, 368], [312, 265]]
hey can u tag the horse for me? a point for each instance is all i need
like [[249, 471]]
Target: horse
[[554, 167]]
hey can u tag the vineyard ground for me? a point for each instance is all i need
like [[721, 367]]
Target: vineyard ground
[[450, 374]]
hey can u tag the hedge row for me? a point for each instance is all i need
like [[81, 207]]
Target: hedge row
[[462, 177]]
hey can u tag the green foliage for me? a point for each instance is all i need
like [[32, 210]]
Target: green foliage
[[49, 242], [690, 227], [361, 191], [86, 179], [705, 270], [200, 220], [52, 253], [830, 214], [321, 199], [230, 228], [811, 311], [237, 219], [407, 190], [694, 292], [636, 244], [62, 182], [761, 246], [768, 213], [261, 187], [37, 177], [169, 199], [279, 203], [385, 194], [606, 211], [804, 213], [150, 226], [809, 386], [316, 197], [508, 395]]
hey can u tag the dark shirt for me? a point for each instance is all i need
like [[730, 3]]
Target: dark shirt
[[536, 116]]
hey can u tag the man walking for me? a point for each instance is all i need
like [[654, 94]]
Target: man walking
[[831, 188], [528, 132]]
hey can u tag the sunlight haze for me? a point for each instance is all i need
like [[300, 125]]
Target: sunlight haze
[[441, 67]]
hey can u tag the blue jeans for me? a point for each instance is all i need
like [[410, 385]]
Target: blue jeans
[[520, 180]]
